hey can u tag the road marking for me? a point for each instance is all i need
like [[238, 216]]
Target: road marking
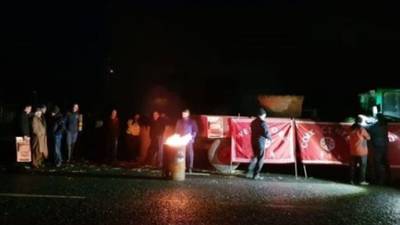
[[198, 174], [18, 195]]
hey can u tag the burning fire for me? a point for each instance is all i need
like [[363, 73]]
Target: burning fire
[[178, 141]]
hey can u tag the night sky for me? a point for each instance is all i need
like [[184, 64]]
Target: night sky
[[213, 57]]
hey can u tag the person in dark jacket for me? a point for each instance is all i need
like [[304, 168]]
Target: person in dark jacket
[[25, 124], [259, 136], [72, 121], [187, 126], [157, 128], [113, 130], [58, 129], [379, 144]]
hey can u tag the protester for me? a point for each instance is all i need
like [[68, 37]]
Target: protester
[[72, 121], [260, 136], [25, 122], [379, 145], [157, 128], [358, 152], [133, 137], [187, 126], [112, 135], [58, 129], [39, 140]]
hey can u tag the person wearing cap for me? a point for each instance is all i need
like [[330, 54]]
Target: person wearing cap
[[260, 135], [380, 147], [358, 138]]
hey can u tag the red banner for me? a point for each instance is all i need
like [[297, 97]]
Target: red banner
[[281, 150], [318, 142], [323, 143], [394, 145]]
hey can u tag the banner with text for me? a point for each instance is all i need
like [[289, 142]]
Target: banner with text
[[281, 150]]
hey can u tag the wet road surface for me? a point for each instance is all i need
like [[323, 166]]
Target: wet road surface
[[60, 199]]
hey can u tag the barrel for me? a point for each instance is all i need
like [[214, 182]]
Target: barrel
[[174, 162]]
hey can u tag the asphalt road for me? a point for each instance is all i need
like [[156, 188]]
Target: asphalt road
[[62, 199]]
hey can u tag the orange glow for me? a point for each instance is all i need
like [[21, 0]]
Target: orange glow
[[178, 141]]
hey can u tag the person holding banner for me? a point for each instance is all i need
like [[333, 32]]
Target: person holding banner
[[24, 153], [358, 151], [25, 122], [260, 136]]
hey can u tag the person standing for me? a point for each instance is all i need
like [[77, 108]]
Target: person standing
[[25, 122], [157, 128], [39, 140], [72, 121], [43, 108], [187, 126], [133, 137], [113, 129], [24, 129], [358, 152], [260, 135], [379, 144], [58, 129]]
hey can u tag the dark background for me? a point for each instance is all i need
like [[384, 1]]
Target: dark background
[[209, 56]]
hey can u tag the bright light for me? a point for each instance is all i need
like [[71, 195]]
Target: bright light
[[367, 120], [178, 141]]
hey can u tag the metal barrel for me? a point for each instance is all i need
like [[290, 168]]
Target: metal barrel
[[174, 162]]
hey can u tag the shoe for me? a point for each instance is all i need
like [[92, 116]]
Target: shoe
[[27, 167], [249, 175], [364, 183], [258, 177]]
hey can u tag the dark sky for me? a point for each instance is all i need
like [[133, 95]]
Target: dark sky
[[212, 55]]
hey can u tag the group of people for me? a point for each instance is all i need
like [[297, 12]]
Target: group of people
[[46, 132], [369, 142], [366, 142], [156, 128], [184, 126]]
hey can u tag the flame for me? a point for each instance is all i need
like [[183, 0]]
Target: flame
[[178, 141]]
